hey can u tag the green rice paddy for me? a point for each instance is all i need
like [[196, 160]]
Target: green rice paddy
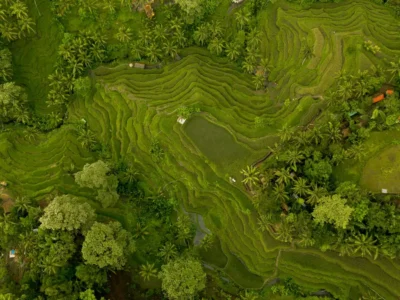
[[131, 108]]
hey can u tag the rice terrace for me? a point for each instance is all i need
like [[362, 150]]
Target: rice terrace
[[200, 149]]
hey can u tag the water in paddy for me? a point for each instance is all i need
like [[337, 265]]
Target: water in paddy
[[215, 141]]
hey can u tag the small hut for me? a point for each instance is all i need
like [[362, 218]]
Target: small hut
[[377, 98], [139, 66], [181, 120], [12, 253]]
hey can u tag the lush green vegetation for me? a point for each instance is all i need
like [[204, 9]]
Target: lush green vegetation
[[270, 189]]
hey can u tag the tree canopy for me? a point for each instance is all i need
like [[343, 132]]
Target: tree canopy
[[67, 213], [182, 278], [332, 210], [107, 245]]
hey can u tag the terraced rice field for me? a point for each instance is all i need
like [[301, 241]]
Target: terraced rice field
[[335, 33], [131, 108]]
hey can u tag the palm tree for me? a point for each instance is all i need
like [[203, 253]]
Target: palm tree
[[334, 132], [264, 63], [254, 38], [317, 135], [176, 24], [140, 232], [168, 252], [25, 25], [365, 244], [300, 187], [265, 221], [305, 239], [2, 13], [19, 9], [6, 224], [249, 295], [21, 115], [159, 32], [8, 31], [201, 35], [242, 17], [315, 193], [179, 38], [307, 52], [86, 137], [136, 50], [258, 81], [293, 157], [124, 34], [232, 51], [286, 133], [394, 69], [170, 49], [251, 176], [345, 90], [215, 29], [284, 232], [283, 176], [216, 46], [153, 52], [51, 265], [357, 152], [279, 193], [147, 271], [248, 66], [130, 175], [31, 133]]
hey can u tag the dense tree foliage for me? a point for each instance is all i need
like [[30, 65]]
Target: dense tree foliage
[[67, 213], [182, 278], [107, 245]]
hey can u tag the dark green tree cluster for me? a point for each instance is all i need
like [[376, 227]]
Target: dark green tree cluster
[[60, 251], [296, 197], [15, 21], [77, 53]]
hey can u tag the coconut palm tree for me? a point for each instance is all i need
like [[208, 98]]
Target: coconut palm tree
[[215, 29], [147, 271], [21, 115], [279, 193], [394, 69], [179, 38], [86, 137], [357, 152], [251, 176], [51, 265], [3, 13], [176, 24], [124, 34], [264, 63], [284, 232], [317, 135], [9, 31], [293, 157], [201, 35], [140, 231], [232, 51], [315, 193], [345, 90], [30, 133], [168, 252], [136, 50], [216, 46], [25, 26], [286, 133], [254, 38], [242, 17], [153, 52], [19, 10], [159, 32], [170, 49], [130, 175], [283, 176], [300, 187], [364, 244], [258, 81], [307, 52], [248, 66], [6, 224], [334, 132]]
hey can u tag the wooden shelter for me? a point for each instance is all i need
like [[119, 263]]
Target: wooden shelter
[[6, 203], [139, 65]]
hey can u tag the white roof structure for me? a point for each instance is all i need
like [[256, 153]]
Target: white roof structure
[[131, 65], [181, 120], [384, 191], [12, 253]]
